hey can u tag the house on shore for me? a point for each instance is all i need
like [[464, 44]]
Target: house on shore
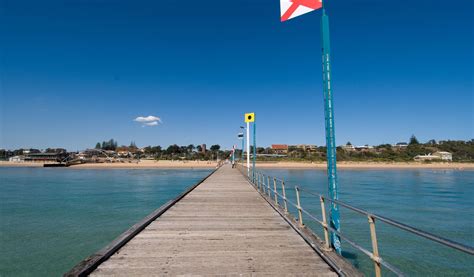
[[16, 159], [438, 156], [307, 147], [400, 145], [281, 149]]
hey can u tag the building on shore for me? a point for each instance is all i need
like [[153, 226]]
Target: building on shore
[[16, 159], [363, 147], [44, 157], [438, 156], [307, 147], [281, 149], [348, 147], [203, 148], [400, 145], [444, 156]]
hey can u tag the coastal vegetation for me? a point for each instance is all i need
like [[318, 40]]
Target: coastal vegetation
[[462, 151]]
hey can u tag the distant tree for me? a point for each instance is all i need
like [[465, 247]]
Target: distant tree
[[109, 145], [3, 154], [199, 148], [414, 140], [98, 146], [133, 145], [215, 147], [156, 150], [348, 143], [183, 149], [191, 148], [432, 142], [173, 149]]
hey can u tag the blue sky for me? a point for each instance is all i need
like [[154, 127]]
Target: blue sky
[[76, 72]]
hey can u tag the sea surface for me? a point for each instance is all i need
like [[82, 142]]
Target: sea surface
[[50, 219], [437, 201]]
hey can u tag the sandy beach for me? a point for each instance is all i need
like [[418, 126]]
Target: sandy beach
[[147, 164], [143, 164], [369, 165]]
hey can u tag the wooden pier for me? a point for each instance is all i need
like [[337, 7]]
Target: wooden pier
[[222, 226]]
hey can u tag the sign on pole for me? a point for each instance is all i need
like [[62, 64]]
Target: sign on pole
[[293, 8], [249, 117]]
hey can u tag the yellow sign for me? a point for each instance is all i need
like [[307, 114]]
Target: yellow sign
[[249, 117]]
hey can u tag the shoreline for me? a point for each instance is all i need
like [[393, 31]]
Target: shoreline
[[368, 165], [150, 164], [143, 164]]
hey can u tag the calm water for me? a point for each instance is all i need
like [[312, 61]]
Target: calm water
[[53, 218], [438, 201]]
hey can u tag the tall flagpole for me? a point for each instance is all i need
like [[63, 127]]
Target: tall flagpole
[[248, 149], [254, 148], [330, 133]]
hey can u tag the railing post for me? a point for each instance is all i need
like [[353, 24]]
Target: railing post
[[268, 187], [325, 223], [275, 191], [300, 213], [284, 195], [259, 181], [375, 248], [254, 178]]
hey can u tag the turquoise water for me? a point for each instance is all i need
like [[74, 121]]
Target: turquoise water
[[437, 201], [53, 218]]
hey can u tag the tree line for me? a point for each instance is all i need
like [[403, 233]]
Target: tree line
[[174, 151], [462, 151]]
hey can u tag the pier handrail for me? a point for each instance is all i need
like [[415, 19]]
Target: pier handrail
[[405, 227], [261, 182]]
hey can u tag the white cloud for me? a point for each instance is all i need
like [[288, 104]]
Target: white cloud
[[148, 120], [153, 123]]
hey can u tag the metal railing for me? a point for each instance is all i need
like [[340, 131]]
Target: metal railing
[[267, 185]]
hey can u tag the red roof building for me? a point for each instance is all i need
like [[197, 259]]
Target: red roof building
[[280, 148]]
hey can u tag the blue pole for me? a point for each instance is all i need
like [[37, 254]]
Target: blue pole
[[242, 154], [334, 218], [254, 147]]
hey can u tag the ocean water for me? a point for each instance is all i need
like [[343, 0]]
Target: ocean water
[[52, 218], [437, 201]]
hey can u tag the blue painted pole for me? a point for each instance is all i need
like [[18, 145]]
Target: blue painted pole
[[334, 217], [242, 154], [254, 147]]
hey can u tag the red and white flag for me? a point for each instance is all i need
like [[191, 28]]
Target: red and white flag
[[293, 8]]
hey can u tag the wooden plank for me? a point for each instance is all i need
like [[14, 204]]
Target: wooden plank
[[223, 227]]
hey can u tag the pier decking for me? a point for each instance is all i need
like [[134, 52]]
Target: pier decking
[[222, 227]]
